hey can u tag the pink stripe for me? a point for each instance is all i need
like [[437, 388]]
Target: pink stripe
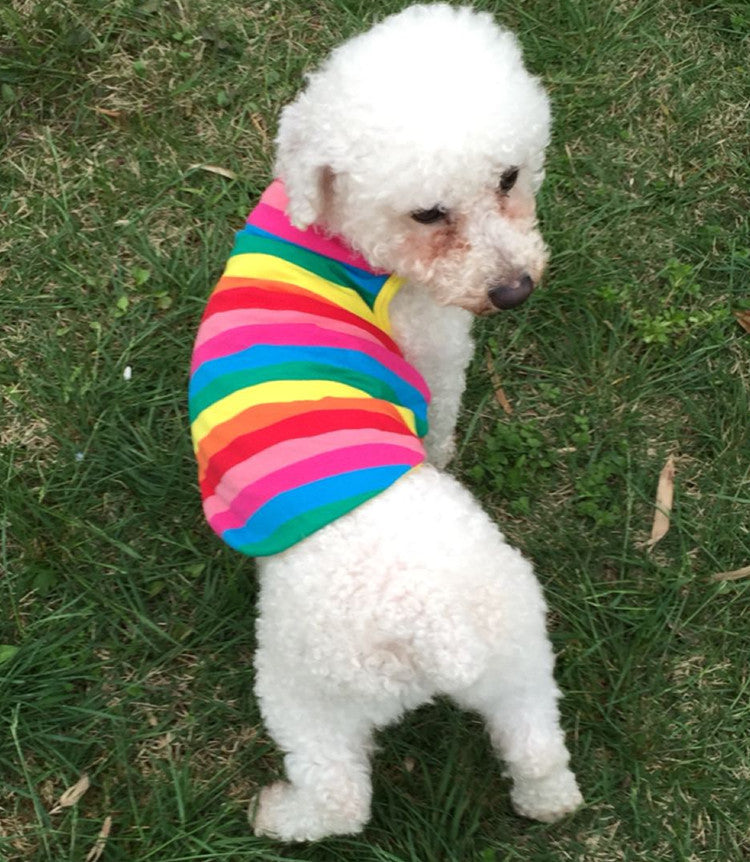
[[270, 215], [223, 321], [303, 335], [301, 473], [287, 452], [275, 196], [313, 239]]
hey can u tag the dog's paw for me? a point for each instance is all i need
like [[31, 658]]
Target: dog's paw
[[548, 798], [286, 813], [271, 813]]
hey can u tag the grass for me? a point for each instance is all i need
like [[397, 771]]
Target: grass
[[128, 630]]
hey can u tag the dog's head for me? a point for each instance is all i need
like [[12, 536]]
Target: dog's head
[[421, 143]]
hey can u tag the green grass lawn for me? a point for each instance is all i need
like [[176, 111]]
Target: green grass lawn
[[127, 628]]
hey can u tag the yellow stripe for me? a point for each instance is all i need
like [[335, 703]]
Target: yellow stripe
[[383, 301], [277, 392], [265, 266]]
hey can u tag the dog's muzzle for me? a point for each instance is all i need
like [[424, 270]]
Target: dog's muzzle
[[506, 296]]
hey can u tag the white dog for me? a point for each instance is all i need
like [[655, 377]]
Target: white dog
[[411, 159]]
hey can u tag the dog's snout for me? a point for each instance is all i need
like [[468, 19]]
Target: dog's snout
[[505, 296]]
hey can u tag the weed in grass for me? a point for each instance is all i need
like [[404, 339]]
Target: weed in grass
[[515, 455], [681, 308]]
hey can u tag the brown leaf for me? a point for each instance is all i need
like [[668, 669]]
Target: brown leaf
[[663, 503], [744, 572], [500, 396], [743, 318], [108, 112], [72, 794], [502, 400], [215, 169], [101, 842]]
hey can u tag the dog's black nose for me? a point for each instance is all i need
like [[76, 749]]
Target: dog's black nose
[[506, 296]]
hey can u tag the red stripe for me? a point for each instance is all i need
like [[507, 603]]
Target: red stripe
[[308, 425], [261, 415], [269, 295]]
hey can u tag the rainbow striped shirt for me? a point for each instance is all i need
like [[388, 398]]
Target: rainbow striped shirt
[[302, 407]]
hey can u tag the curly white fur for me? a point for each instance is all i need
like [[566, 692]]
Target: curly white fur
[[416, 592], [429, 107]]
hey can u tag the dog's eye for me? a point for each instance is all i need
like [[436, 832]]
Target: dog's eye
[[429, 216], [508, 180]]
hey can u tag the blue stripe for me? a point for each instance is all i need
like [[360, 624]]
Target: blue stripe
[[263, 355], [299, 501]]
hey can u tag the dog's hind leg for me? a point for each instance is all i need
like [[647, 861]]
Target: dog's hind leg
[[517, 696], [327, 764], [329, 669]]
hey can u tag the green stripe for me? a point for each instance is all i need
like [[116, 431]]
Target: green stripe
[[324, 267], [305, 525], [242, 379]]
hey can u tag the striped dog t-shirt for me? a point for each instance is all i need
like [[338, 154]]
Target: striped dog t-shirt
[[302, 406]]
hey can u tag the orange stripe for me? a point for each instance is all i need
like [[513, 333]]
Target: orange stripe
[[229, 282], [262, 415]]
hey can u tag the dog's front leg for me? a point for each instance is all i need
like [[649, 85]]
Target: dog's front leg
[[437, 341]]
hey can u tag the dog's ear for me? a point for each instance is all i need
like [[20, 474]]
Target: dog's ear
[[300, 164]]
